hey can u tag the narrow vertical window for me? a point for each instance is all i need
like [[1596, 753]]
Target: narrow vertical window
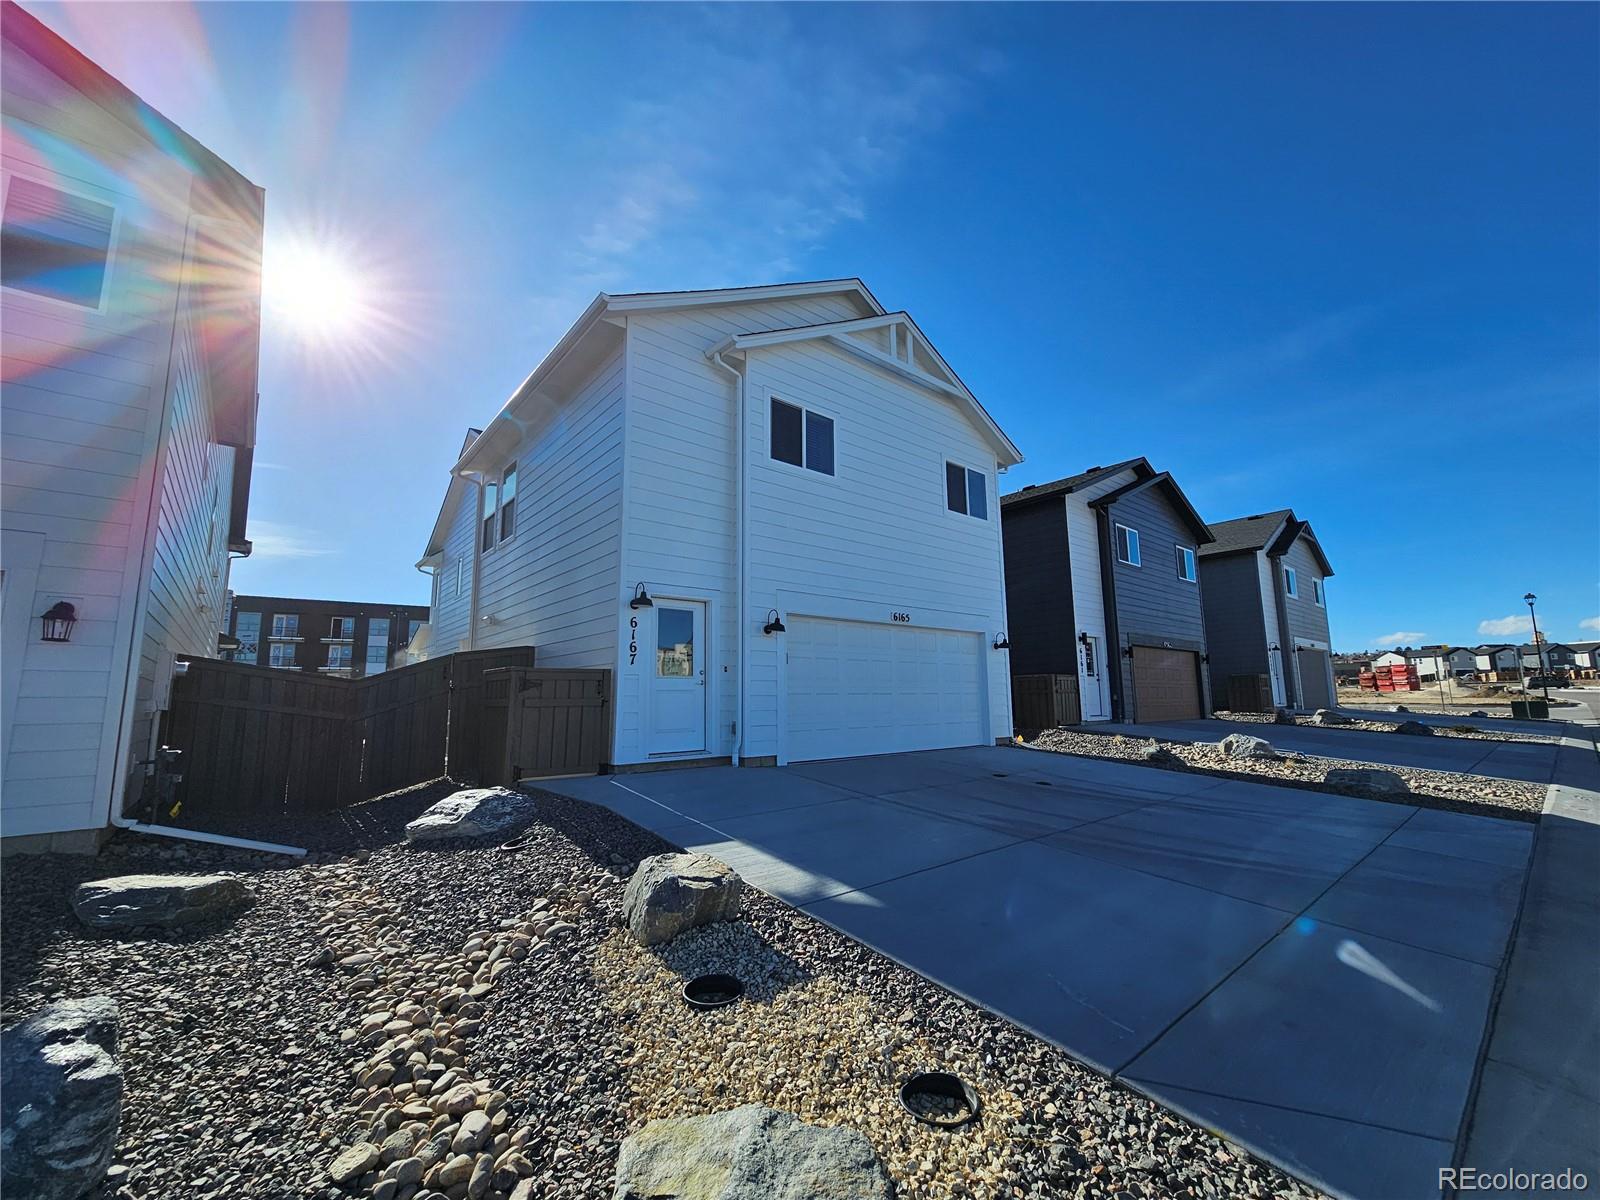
[[977, 495], [787, 444], [819, 443], [508, 502], [490, 496], [955, 487], [1291, 582], [1186, 564], [1128, 546]]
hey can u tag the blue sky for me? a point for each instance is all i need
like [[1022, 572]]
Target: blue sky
[[1341, 258]]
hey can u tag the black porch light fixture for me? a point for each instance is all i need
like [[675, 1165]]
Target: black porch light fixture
[[1000, 642], [57, 622], [641, 598], [774, 623]]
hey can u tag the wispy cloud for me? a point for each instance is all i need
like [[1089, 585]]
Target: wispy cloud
[[1505, 626], [1400, 637], [1592, 624], [272, 540], [1292, 347]]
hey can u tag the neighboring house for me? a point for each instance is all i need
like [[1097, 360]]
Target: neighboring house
[[1587, 657], [1496, 660], [130, 304], [1557, 656], [331, 637], [1264, 587], [1348, 668], [1435, 662], [771, 512], [1103, 582]]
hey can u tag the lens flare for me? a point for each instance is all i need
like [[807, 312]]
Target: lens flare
[[314, 292]]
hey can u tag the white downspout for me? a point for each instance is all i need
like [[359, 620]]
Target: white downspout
[[738, 541], [195, 835]]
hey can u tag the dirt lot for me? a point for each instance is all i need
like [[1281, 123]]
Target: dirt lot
[[1458, 700]]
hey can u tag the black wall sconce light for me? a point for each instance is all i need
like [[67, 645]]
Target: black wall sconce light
[[1274, 646], [1127, 652], [1000, 642], [1083, 639], [774, 623], [1206, 658], [641, 598], [58, 621]]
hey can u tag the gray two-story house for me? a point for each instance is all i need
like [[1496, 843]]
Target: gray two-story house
[[1266, 613], [1103, 583]]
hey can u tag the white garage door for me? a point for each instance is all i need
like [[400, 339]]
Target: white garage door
[[858, 688]]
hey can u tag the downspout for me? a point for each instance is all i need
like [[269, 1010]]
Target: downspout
[[738, 542], [1108, 593]]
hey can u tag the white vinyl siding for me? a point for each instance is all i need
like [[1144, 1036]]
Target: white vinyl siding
[[1088, 597], [450, 620]]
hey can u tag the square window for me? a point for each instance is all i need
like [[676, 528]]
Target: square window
[[55, 244], [1127, 545], [819, 443], [285, 625], [955, 487], [1186, 564], [280, 654], [966, 491], [786, 433]]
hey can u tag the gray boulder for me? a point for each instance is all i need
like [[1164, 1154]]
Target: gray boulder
[[670, 893], [1282, 716], [748, 1153], [1159, 756], [1325, 716], [1415, 728], [1242, 745], [1398, 708], [471, 813], [1368, 779], [60, 1100], [166, 900], [1477, 712]]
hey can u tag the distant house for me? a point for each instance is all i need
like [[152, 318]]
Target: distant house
[[1587, 657], [1557, 656], [771, 512], [130, 303], [330, 637], [1266, 615], [1103, 583], [1496, 661], [1441, 662]]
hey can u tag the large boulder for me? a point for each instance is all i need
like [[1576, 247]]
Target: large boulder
[[471, 813], [1415, 728], [1158, 755], [166, 900], [748, 1153], [1282, 716], [1368, 779], [1326, 716], [670, 893], [60, 1100], [1242, 745]]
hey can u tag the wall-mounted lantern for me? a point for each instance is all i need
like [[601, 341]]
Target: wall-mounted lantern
[[1000, 643], [774, 624], [1127, 652], [58, 622], [1083, 639], [641, 598]]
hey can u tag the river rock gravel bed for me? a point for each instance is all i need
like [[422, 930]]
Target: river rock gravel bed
[[1507, 798], [398, 1024]]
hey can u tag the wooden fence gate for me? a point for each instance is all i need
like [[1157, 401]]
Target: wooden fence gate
[[260, 741], [1044, 702], [1250, 693], [558, 721]]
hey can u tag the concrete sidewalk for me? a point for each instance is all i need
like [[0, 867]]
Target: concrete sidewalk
[[1537, 1106]]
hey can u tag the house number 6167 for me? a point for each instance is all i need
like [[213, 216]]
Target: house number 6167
[[633, 640]]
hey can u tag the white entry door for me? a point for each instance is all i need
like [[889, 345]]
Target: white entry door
[[1091, 698], [1275, 669], [678, 678]]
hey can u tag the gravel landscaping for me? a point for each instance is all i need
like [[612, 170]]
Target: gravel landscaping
[[1511, 799], [1381, 725], [394, 1022]]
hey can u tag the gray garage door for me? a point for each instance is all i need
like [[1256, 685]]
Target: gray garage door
[[1314, 679]]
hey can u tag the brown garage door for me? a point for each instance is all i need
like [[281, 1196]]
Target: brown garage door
[[1166, 684]]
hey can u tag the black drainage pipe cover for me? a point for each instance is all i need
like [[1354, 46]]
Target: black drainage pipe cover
[[712, 991], [940, 1083]]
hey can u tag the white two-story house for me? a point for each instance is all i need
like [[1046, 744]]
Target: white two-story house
[[771, 511]]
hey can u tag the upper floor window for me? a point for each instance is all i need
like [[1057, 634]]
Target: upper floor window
[[55, 244], [1316, 590], [461, 576], [285, 625], [1128, 545], [1291, 582], [280, 656], [966, 491], [802, 438], [508, 502], [1186, 564], [490, 504], [247, 628], [339, 657], [342, 627]]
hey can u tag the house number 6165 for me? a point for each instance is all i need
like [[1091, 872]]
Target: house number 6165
[[906, 617], [633, 640]]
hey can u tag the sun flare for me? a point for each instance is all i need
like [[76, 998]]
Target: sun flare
[[315, 291]]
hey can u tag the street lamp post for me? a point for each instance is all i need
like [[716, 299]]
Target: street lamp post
[[1544, 665]]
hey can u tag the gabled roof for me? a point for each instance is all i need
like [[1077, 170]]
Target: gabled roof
[[1583, 647], [904, 334], [458, 484], [1492, 647], [1273, 532], [1164, 482], [1060, 487]]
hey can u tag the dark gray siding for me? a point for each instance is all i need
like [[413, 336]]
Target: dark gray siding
[[1305, 619], [1039, 589], [1236, 639], [1154, 606]]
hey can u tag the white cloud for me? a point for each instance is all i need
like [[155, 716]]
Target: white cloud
[[1400, 637], [269, 539], [1506, 626], [1590, 623]]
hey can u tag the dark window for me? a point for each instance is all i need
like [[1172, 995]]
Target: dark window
[[819, 443], [1128, 545], [55, 244], [955, 487], [1186, 564], [786, 442], [508, 502], [978, 495], [488, 516]]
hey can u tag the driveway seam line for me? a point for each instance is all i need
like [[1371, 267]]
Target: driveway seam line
[[1307, 1112]]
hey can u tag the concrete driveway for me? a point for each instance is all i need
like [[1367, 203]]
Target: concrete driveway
[[1532, 762], [1310, 974]]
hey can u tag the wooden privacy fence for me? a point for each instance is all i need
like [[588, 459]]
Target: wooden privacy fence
[[558, 721], [259, 741], [1044, 702], [1250, 693]]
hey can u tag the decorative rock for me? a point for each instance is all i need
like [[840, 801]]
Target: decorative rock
[[167, 900], [1415, 728], [1282, 716], [408, 1171], [749, 1153], [60, 1100], [1242, 745], [1477, 712], [471, 813], [457, 1170], [1398, 708], [1325, 716], [353, 1162], [458, 1101], [1371, 779], [1159, 756], [670, 893], [470, 1135]]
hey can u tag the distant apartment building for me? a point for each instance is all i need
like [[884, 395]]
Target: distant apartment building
[[329, 637]]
